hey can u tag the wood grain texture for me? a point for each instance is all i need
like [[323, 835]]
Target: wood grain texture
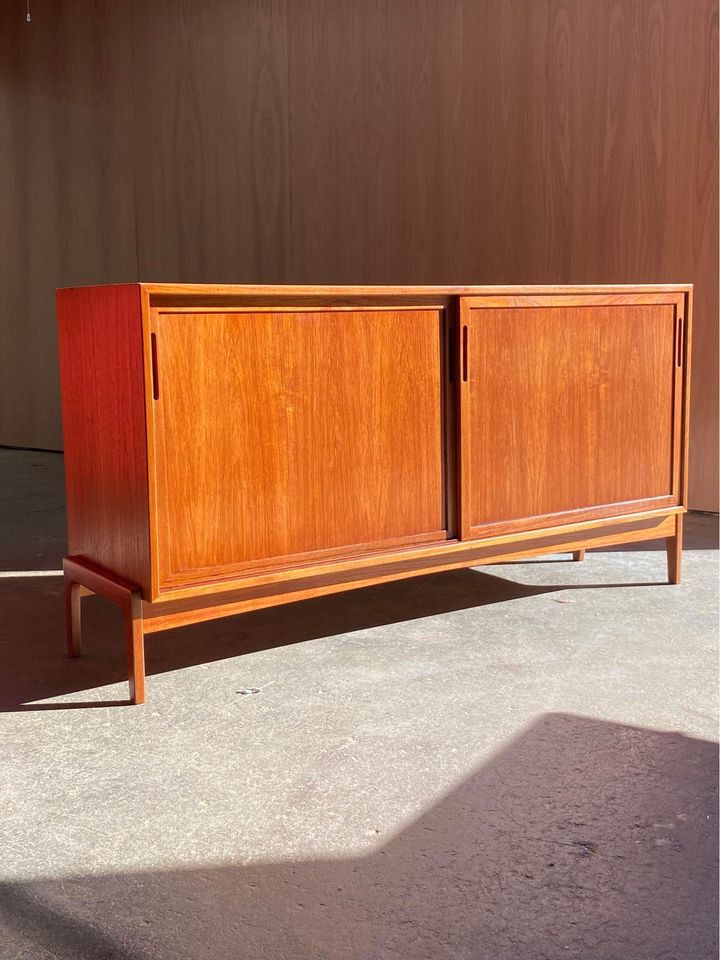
[[73, 617], [288, 436], [519, 141], [224, 459], [253, 389], [564, 409], [674, 547], [623, 123], [328, 140], [103, 397], [175, 613], [251, 294], [210, 93], [67, 203]]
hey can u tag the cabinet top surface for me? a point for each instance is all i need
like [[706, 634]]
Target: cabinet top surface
[[350, 290]]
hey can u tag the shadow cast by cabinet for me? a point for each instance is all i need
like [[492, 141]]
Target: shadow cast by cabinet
[[36, 667]]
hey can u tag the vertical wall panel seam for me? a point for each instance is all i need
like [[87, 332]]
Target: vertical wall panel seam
[[290, 268], [133, 134]]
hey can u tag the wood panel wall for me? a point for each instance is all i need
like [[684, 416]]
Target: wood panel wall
[[329, 140]]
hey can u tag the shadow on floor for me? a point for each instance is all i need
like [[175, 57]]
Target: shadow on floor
[[33, 643], [581, 839]]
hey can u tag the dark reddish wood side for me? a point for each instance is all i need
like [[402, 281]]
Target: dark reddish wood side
[[103, 404]]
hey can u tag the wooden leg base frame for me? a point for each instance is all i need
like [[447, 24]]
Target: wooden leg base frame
[[81, 579], [140, 617]]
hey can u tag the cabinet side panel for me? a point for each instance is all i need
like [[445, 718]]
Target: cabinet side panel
[[687, 369], [103, 396]]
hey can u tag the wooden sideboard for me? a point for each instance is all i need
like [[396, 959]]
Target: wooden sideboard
[[234, 447]]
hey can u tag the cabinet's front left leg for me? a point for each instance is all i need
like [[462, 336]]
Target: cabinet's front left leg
[[135, 646], [578, 555], [83, 577], [674, 551]]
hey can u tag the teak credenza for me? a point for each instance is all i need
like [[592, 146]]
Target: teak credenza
[[234, 447]]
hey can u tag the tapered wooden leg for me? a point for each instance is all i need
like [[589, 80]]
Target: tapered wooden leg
[[578, 555], [674, 552], [135, 645], [73, 596]]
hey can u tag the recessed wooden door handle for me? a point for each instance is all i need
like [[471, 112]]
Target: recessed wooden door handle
[[465, 353], [154, 365], [679, 349]]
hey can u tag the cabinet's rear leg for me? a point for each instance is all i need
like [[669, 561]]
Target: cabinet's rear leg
[[73, 595], [578, 555], [674, 551], [135, 646]]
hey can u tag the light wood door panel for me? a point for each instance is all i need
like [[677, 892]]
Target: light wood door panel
[[289, 435], [567, 410]]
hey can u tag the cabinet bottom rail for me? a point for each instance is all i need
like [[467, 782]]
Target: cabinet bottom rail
[[141, 617]]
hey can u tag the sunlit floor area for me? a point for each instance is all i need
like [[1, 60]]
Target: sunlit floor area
[[518, 761]]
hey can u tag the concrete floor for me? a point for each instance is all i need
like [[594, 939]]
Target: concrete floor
[[514, 762]]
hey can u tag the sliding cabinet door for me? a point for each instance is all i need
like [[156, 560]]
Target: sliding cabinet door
[[570, 408], [290, 435]]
